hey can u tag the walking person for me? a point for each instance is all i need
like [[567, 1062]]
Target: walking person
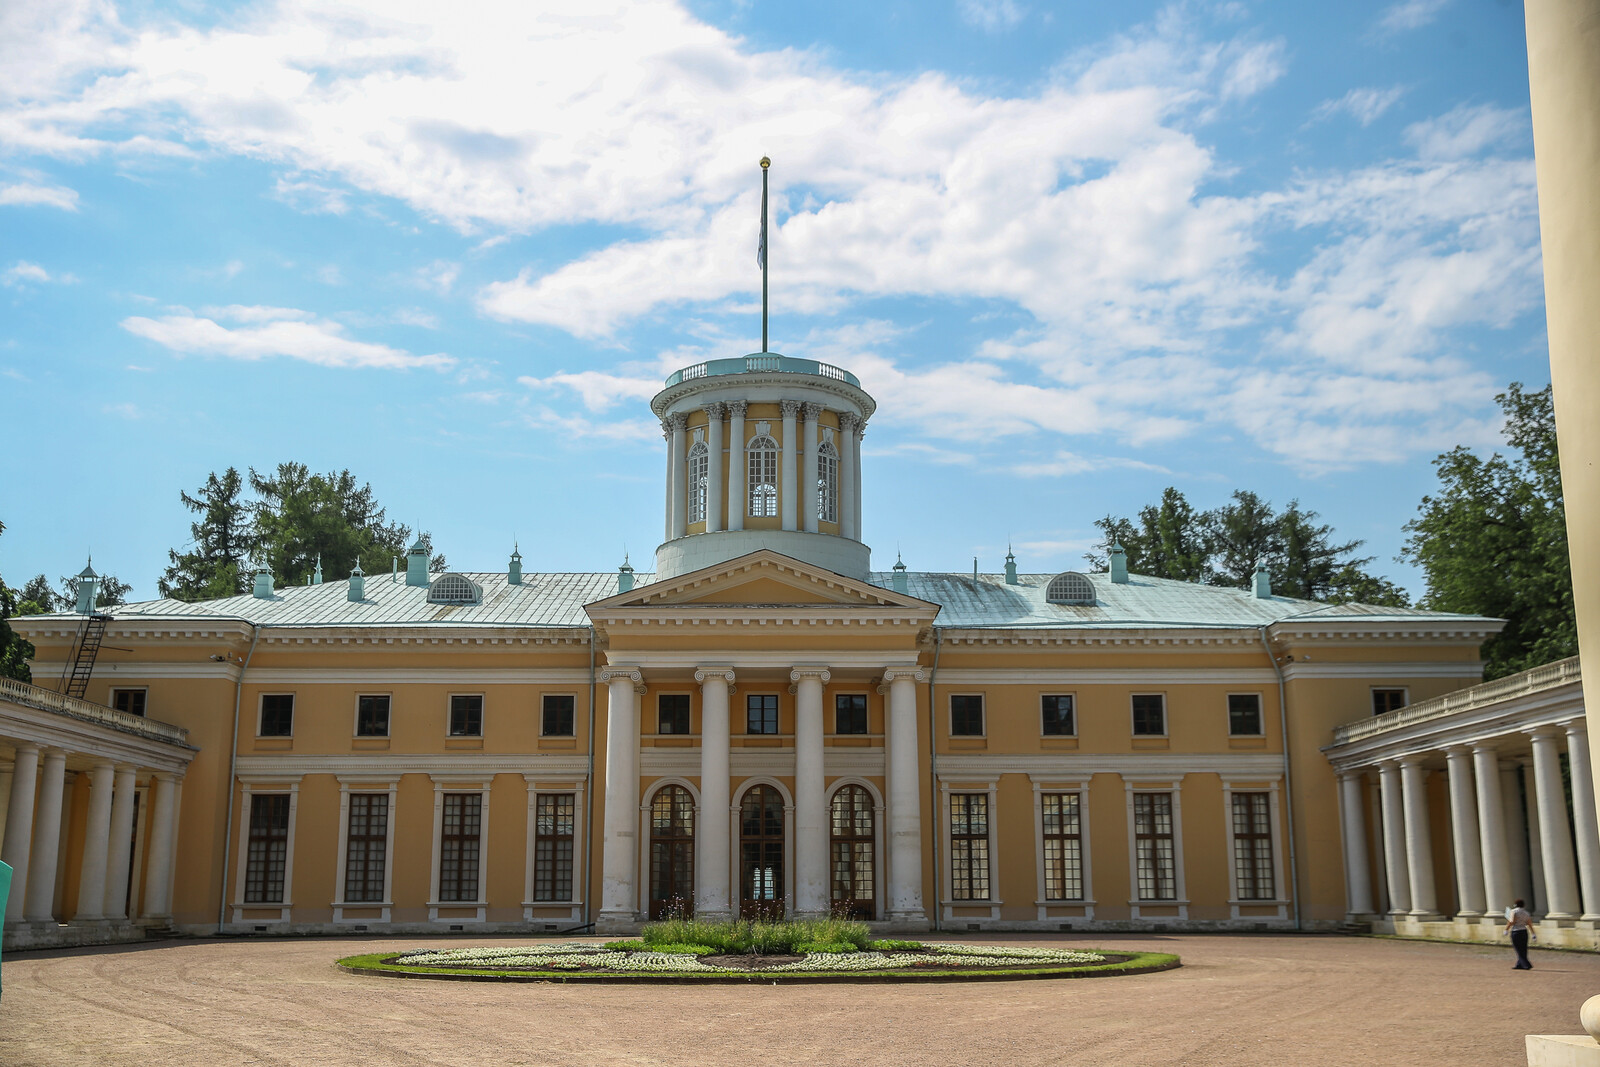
[[1519, 924]]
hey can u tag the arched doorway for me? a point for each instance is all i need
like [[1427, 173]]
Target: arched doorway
[[851, 854], [671, 852], [761, 854]]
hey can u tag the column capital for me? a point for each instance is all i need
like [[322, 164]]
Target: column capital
[[821, 673], [849, 421], [1577, 726], [1550, 732], [891, 674], [26, 746], [1462, 751], [812, 410], [1486, 747], [666, 428], [678, 421], [737, 408], [701, 674], [715, 410], [789, 408], [609, 674], [1350, 774], [165, 776], [1413, 759]]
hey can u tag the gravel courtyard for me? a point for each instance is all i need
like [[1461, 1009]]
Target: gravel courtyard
[[1238, 1000]]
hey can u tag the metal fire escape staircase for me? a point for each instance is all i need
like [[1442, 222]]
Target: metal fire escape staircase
[[87, 650]]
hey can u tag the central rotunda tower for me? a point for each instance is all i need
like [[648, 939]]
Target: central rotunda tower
[[763, 451]]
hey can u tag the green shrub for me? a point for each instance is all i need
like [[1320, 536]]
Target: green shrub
[[889, 944], [808, 947], [760, 937], [626, 946]]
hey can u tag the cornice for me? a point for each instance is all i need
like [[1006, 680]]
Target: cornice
[[476, 765]]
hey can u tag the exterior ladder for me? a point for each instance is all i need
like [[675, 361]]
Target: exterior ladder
[[88, 650]]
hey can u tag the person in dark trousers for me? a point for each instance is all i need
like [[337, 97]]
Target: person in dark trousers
[[1519, 924]]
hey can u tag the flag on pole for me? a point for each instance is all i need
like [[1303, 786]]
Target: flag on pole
[[761, 245]]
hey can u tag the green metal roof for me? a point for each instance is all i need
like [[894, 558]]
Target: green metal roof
[[762, 361]]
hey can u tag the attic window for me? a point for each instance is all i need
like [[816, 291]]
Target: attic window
[[454, 589], [1070, 587]]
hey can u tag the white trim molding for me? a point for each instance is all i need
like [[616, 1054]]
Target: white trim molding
[[990, 786], [387, 784], [1180, 902], [480, 784], [1080, 787], [1279, 898], [249, 787], [538, 785]]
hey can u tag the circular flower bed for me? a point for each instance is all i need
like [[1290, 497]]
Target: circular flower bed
[[896, 961]]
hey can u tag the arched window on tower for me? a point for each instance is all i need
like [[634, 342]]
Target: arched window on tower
[[699, 473], [763, 477], [828, 481]]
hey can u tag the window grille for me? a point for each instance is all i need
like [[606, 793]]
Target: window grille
[[1070, 587], [671, 852], [1063, 846], [828, 482], [969, 846], [459, 845], [761, 713], [1152, 838], [453, 589], [366, 847], [853, 882], [1252, 845], [552, 854], [762, 453], [268, 848], [699, 473]]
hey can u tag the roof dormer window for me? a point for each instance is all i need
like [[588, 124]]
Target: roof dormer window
[[1070, 587], [454, 589]]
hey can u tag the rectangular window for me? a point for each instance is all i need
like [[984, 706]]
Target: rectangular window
[[560, 713], [1149, 715], [1063, 846], [466, 715], [672, 713], [1152, 840], [128, 700], [1244, 715], [268, 848], [372, 716], [1387, 700], [969, 846], [850, 713], [761, 713], [277, 715], [552, 847], [1252, 845], [966, 716], [459, 844], [367, 847], [1057, 719]]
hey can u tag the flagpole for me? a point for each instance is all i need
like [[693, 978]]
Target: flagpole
[[765, 252]]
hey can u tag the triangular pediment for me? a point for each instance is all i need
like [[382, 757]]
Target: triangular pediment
[[765, 579]]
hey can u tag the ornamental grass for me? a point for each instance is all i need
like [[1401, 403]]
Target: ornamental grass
[[758, 937]]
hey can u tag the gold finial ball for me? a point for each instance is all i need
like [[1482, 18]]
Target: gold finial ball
[[765, 162]]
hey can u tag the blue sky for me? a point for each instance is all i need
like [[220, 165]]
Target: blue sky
[[1078, 252]]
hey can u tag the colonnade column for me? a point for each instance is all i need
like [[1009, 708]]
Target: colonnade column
[[808, 478], [811, 893], [163, 837], [117, 859], [96, 841], [41, 899], [1492, 830], [1419, 838], [855, 467], [619, 854], [1464, 834], [1519, 838], [1555, 843], [903, 780], [678, 423], [1358, 883], [666, 510], [19, 825], [789, 474], [713, 898], [714, 495], [1583, 816], [1394, 839], [738, 466], [848, 475]]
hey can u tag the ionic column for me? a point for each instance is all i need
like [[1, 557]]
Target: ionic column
[[811, 884], [1375, 802], [1519, 843], [791, 477], [678, 423], [96, 842], [1394, 839], [903, 780], [1492, 831], [848, 422], [738, 466], [619, 850], [19, 826], [116, 898], [713, 896], [714, 496], [1419, 838], [1358, 883], [163, 836], [1555, 841], [40, 906], [808, 480], [1583, 816], [1465, 835], [855, 465], [666, 484]]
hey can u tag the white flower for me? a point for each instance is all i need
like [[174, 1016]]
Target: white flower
[[575, 956]]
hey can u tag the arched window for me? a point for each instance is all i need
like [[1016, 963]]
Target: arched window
[[453, 589], [828, 482], [699, 472], [671, 852], [761, 854], [763, 477], [1070, 587], [851, 872]]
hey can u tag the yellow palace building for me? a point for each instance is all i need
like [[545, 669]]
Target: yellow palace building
[[764, 725]]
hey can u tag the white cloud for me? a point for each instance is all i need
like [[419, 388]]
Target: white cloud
[[35, 194], [264, 332], [1366, 105], [25, 273], [439, 276], [1468, 130], [1409, 15], [991, 16], [329, 274], [599, 392]]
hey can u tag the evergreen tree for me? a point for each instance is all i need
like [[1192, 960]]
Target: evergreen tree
[[215, 567], [37, 598], [1174, 537], [1308, 563], [110, 592], [15, 650], [1243, 535]]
